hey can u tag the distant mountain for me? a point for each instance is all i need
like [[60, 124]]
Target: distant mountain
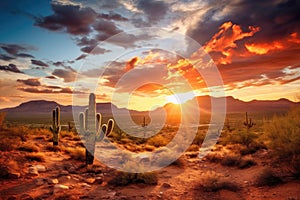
[[204, 102]]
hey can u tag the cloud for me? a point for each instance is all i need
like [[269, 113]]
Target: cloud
[[25, 55], [155, 10], [94, 49], [131, 63], [82, 56], [112, 16], [11, 68], [224, 41], [68, 74], [30, 82], [13, 49], [105, 29], [6, 57], [39, 63], [46, 91], [73, 19]]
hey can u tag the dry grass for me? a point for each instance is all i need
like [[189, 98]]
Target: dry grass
[[158, 141], [231, 160], [28, 147], [8, 144], [267, 177], [125, 178], [53, 148], [193, 147], [39, 157], [212, 181], [283, 137], [77, 153]]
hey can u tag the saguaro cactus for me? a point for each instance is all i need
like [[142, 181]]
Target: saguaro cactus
[[56, 127], [248, 123], [90, 127]]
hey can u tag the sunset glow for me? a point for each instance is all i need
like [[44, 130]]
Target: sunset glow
[[47, 58]]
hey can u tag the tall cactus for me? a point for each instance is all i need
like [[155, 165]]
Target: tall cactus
[[90, 127], [56, 127], [248, 123]]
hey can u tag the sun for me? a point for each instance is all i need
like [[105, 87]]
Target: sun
[[173, 99], [179, 98]]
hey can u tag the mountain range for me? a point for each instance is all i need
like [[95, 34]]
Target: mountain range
[[233, 105]]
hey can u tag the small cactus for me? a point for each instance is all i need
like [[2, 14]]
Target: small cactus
[[248, 123], [56, 127], [90, 127]]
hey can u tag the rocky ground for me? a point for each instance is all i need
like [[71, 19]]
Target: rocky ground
[[60, 173]]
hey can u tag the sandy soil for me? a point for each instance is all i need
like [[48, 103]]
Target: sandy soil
[[174, 182]]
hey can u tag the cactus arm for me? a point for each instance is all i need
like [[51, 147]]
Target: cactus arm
[[86, 119], [98, 125], [110, 126], [81, 123]]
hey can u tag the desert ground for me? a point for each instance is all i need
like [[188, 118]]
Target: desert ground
[[244, 164]]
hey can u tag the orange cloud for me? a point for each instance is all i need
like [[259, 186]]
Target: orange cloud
[[264, 48], [131, 63], [224, 41]]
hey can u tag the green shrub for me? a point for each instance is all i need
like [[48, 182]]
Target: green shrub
[[283, 135]]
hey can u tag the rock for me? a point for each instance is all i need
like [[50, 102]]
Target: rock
[[64, 172], [53, 181], [90, 180], [40, 168], [14, 175], [166, 185], [60, 187], [39, 181], [85, 185], [33, 171], [99, 180], [26, 197]]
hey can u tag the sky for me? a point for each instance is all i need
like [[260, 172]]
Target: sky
[[142, 54]]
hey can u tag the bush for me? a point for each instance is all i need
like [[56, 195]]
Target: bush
[[212, 181], [267, 178], [283, 135], [125, 178], [246, 162], [231, 160], [2, 118], [158, 141]]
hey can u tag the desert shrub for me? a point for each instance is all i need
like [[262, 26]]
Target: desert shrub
[[39, 157], [213, 157], [158, 141], [77, 153], [231, 160], [199, 138], [28, 147], [212, 181], [2, 118], [252, 148], [267, 177], [193, 147], [125, 178], [283, 135], [246, 162]]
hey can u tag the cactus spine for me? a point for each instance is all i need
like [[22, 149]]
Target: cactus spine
[[248, 123], [56, 127], [90, 127]]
